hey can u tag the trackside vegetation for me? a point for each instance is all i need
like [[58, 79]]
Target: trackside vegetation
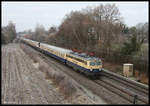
[[100, 30]]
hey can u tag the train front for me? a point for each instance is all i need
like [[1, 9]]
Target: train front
[[95, 65]]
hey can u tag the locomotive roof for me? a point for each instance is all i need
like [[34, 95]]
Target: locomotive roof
[[84, 56]]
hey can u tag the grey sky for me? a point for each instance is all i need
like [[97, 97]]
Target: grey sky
[[26, 15]]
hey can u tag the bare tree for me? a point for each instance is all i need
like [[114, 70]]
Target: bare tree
[[52, 29], [142, 32], [39, 33], [106, 22], [92, 27], [9, 32]]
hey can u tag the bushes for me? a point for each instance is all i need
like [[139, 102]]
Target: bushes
[[63, 82], [29, 52], [67, 87], [140, 64], [60, 80], [3, 39], [138, 59], [8, 33]]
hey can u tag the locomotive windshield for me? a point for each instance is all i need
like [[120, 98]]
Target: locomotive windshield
[[92, 64], [98, 63], [95, 63]]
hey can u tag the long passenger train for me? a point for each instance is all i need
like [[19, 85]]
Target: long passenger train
[[81, 62]]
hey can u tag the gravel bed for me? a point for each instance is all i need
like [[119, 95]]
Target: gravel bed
[[99, 93]]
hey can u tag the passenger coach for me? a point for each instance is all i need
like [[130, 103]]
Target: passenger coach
[[91, 66]]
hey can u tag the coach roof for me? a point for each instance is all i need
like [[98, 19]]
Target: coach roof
[[62, 50]]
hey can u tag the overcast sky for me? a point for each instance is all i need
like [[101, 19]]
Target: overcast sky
[[26, 15]]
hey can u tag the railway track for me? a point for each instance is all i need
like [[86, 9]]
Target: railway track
[[132, 92], [121, 93]]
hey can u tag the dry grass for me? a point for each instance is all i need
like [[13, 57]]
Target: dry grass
[[59, 79], [30, 54], [67, 87]]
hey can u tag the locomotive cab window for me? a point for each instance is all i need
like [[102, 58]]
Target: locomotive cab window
[[92, 63], [98, 63]]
